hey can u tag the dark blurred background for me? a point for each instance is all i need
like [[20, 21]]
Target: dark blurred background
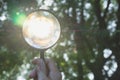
[[89, 46]]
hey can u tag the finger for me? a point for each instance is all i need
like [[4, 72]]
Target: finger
[[54, 73], [41, 71], [33, 74], [40, 64], [51, 65], [41, 75]]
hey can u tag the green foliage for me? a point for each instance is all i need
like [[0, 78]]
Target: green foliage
[[6, 59]]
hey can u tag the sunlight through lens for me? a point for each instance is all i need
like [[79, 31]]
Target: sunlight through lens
[[41, 29]]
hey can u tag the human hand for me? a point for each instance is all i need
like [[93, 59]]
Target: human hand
[[45, 70]]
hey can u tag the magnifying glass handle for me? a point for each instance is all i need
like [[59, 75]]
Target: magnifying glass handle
[[42, 57]]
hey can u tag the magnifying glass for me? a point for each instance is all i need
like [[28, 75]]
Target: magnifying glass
[[41, 30]]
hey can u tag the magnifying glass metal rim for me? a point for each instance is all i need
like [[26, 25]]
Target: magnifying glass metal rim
[[44, 10]]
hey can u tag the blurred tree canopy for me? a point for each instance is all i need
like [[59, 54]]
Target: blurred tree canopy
[[89, 46]]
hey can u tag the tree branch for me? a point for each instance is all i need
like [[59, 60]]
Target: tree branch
[[106, 10], [97, 9], [101, 20]]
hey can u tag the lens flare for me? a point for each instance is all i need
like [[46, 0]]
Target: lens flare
[[19, 18]]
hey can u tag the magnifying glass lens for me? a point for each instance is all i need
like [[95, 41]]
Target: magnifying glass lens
[[41, 29]]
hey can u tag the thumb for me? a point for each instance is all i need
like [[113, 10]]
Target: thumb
[[41, 67], [41, 70]]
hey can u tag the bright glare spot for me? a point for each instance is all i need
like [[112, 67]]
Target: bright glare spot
[[106, 67], [87, 5], [20, 78], [40, 27], [24, 72], [70, 11], [3, 17], [63, 75], [55, 8], [27, 66], [114, 67], [111, 26], [62, 43], [110, 67], [74, 74], [105, 4], [111, 7], [46, 4], [35, 57], [110, 72], [113, 57], [87, 15], [24, 68], [107, 53], [65, 56], [18, 13], [91, 76], [92, 60], [63, 1]]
